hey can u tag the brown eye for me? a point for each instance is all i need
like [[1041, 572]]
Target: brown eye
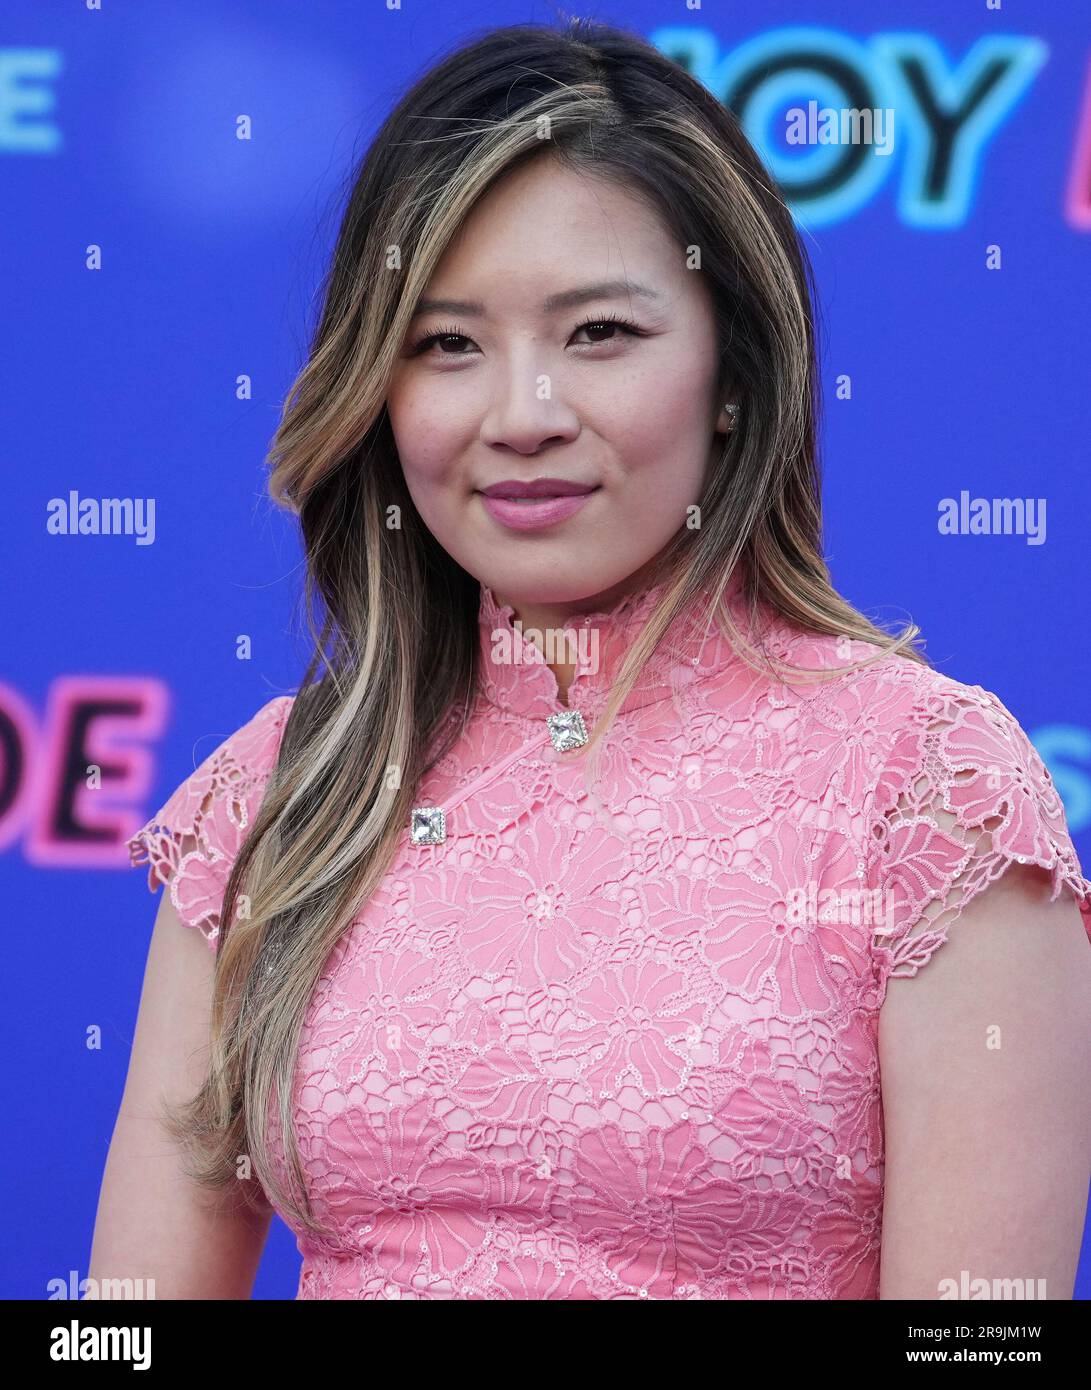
[[607, 328], [444, 336], [609, 325]]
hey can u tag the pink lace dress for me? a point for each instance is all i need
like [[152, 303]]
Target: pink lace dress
[[621, 1041]]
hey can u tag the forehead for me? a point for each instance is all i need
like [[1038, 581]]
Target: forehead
[[545, 227]]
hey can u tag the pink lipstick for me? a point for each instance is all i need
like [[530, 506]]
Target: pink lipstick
[[529, 506]]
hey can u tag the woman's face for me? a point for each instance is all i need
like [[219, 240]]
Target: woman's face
[[515, 389]]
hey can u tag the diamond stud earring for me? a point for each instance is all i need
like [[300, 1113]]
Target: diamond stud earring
[[733, 411]]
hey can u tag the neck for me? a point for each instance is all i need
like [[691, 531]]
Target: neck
[[540, 619]]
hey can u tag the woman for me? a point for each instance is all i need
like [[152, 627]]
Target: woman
[[552, 921]]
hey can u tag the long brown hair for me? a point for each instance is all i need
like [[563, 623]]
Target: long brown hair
[[393, 619]]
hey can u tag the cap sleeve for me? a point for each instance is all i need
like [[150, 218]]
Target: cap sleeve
[[191, 842], [962, 794]]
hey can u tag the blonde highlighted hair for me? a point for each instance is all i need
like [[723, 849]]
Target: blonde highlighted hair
[[393, 619]]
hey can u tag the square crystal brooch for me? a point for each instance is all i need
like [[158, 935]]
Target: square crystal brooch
[[567, 730], [427, 825]]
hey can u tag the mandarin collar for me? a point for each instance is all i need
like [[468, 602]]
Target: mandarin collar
[[516, 679]]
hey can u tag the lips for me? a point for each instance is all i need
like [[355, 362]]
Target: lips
[[513, 490], [532, 506]]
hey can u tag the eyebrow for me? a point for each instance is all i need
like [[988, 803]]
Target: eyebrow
[[567, 299]]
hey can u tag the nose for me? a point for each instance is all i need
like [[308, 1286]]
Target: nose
[[525, 415]]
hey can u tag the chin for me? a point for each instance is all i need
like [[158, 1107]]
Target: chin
[[562, 584]]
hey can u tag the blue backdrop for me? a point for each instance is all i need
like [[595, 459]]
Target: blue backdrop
[[173, 176]]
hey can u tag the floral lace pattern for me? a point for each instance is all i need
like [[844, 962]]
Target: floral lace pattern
[[613, 1041], [191, 844]]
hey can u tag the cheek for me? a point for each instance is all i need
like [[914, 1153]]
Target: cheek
[[663, 453], [666, 425], [424, 462], [423, 439]]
